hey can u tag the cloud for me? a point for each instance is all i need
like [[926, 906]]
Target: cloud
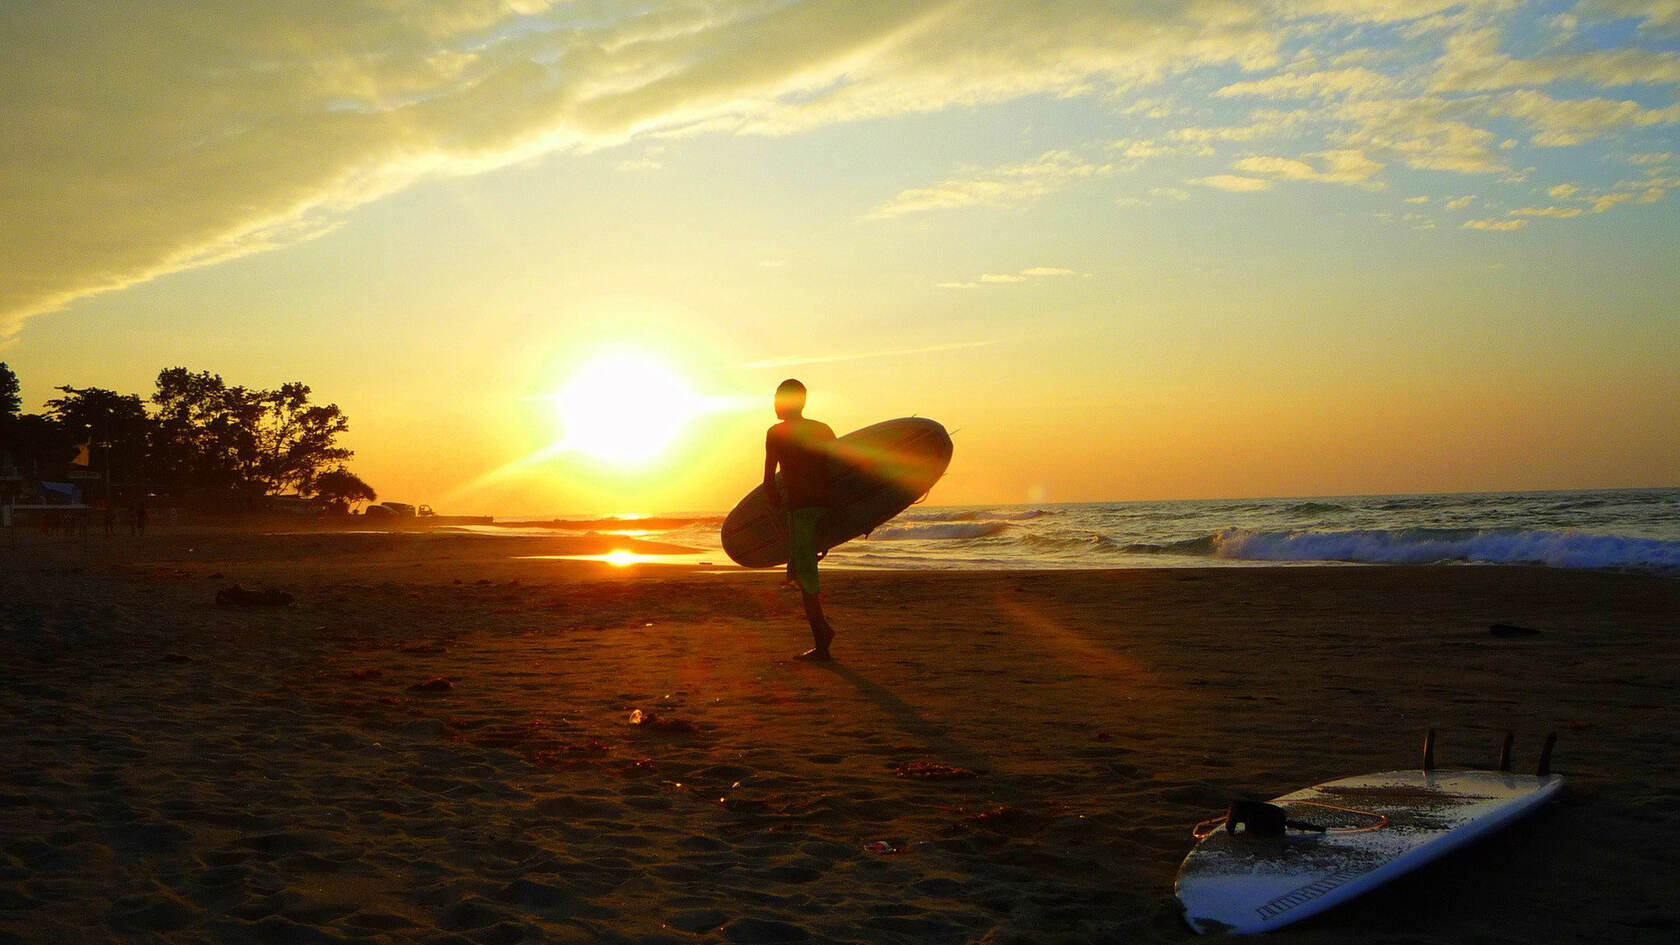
[[1339, 83], [1233, 183], [1609, 201], [1473, 63], [1150, 107], [1141, 149], [1459, 203], [1008, 186], [1559, 212], [1426, 132], [1420, 199], [1494, 224], [1369, 11], [968, 53], [151, 136], [1263, 123], [1562, 191], [1009, 278], [1572, 121], [1338, 167], [1655, 15]]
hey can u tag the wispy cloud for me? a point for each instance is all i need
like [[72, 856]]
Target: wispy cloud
[[1424, 132], [1348, 167], [1008, 186], [1562, 213], [1031, 274], [1564, 122], [1335, 83], [1232, 182], [151, 136], [1654, 15], [1473, 62]]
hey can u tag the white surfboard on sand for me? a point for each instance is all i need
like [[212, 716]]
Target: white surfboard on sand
[[1380, 826]]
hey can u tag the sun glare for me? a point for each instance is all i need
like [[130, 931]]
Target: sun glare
[[624, 409]]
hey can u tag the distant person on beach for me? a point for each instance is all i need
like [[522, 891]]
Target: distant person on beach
[[802, 448], [139, 525]]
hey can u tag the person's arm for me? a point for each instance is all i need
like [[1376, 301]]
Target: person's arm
[[771, 493]]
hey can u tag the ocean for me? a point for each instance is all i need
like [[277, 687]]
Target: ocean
[[1619, 529]]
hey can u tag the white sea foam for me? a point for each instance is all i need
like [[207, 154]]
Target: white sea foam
[[1424, 546], [1627, 529]]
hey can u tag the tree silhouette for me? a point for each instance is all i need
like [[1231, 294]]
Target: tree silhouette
[[29, 442], [338, 489], [10, 390], [201, 441], [236, 443], [115, 425]]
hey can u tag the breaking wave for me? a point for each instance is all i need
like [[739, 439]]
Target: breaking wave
[[1432, 546], [940, 530]]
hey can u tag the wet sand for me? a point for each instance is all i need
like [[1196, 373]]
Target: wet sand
[[434, 743]]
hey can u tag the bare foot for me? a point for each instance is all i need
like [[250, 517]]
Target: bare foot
[[815, 655]]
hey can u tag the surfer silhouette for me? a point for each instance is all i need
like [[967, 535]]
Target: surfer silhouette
[[802, 448]]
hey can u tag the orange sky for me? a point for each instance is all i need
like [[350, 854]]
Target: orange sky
[[1126, 251]]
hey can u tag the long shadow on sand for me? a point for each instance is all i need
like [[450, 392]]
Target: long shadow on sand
[[910, 720]]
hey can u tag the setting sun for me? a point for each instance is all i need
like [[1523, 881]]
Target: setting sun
[[624, 409]]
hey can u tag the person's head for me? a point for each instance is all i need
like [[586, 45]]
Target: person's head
[[790, 399]]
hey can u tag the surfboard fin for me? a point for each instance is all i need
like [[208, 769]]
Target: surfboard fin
[[1505, 752], [1429, 751], [1545, 766]]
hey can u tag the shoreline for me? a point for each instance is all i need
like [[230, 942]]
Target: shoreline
[[200, 772]]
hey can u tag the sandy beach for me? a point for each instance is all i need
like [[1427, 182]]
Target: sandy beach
[[442, 740]]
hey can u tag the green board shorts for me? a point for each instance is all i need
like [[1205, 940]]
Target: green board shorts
[[803, 552]]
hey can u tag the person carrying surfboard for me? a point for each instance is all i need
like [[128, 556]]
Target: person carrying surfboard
[[803, 448]]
